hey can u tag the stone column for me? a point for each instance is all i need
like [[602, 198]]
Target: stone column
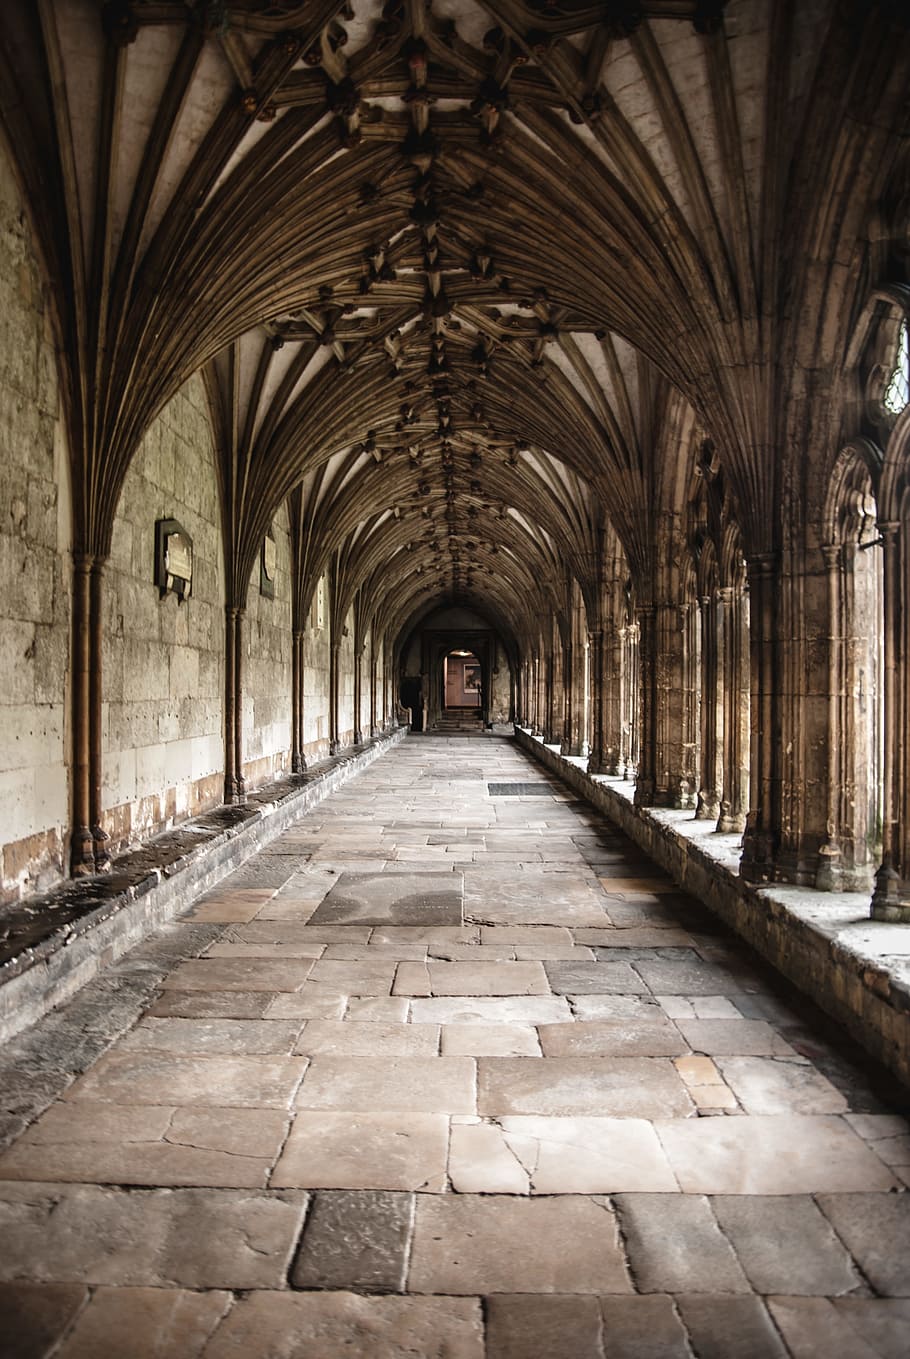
[[734, 797], [646, 778], [298, 759], [829, 874], [712, 708], [762, 833], [374, 725], [234, 782], [334, 667], [891, 899], [82, 852], [597, 759]]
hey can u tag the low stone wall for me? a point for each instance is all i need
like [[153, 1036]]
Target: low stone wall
[[856, 969], [51, 946]]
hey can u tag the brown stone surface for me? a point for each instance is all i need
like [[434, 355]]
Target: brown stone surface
[[187, 1238], [145, 1323], [34, 1316], [558, 1173], [341, 1325], [641, 1087], [541, 1327], [467, 1245], [419, 1085], [345, 1150]]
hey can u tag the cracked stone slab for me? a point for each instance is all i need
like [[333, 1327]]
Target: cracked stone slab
[[814, 1327], [145, 1323], [776, 1086], [211, 1005], [875, 1228], [390, 898], [883, 1322], [501, 1244], [188, 1238], [721, 1327], [341, 1325], [35, 1316], [798, 1154], [644, 1327], [146, 1145], [329, 1150], [489, 1040], [637, 1087], [785, 1245], [161, 1078], [356, 1240], [675, 1245], [558, 1156]]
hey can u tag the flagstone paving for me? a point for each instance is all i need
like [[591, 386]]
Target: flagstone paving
[[450, 1070]]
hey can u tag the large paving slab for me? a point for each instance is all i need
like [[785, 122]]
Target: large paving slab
[[446, 1075]]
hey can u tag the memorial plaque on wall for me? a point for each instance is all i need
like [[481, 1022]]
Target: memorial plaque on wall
[[268, 567], [173, 559]]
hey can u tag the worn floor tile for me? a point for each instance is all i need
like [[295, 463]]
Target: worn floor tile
[[330, 1150], [765, 1085], [542, 1327], [471, 979], [875, 1228], [635, 1037], [517, 1155], [343, 1325], [368, 1039], [674, 1244], [145, 1323], [185, 1238], [357, 1240], [644, 1327], [884, 1323], [786, 1155], [419, 1085], [145, 1145], [731, 1328], [491, 1244], [160, 1078], [200, 1037], [489, 1040], [491, 1010], [35, 1316], [639, 1087], [785, 1245], [813, 1328]]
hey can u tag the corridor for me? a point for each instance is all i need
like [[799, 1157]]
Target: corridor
[[450, 1071]]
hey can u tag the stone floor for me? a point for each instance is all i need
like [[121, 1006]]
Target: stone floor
[[448, 1071]]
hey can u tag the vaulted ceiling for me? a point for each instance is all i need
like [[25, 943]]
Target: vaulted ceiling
[[462, 277]]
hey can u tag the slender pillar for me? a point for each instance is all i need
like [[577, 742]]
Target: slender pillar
[[762, 834], [334, 667], [82, 850], [646, 780], [829, 874], [708, 805], [374, 725], [597, 757], [887, 899], [298, 655], [358, 693], [100, 837]]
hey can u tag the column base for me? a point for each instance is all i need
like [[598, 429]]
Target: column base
[[82, 853], [101, 849]]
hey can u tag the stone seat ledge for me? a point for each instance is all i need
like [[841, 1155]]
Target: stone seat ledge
[[855, 968], [52, 944]]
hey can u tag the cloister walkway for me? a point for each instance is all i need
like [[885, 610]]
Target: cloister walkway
[[449, 1070]]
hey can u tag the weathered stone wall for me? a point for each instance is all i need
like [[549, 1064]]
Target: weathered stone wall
[[35, 568], [316, 680], [164, 661], [267, 686], [346, 683], [500, 697]]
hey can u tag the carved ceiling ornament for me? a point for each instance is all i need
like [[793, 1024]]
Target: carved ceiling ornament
[[458, 263]]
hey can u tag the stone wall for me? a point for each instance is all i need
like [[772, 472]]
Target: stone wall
[[316, 680], [267, 686], [164, 661], [346, 683], [34, 567]]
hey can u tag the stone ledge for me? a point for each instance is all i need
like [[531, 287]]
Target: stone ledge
[[51, 945], [855, 968]]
